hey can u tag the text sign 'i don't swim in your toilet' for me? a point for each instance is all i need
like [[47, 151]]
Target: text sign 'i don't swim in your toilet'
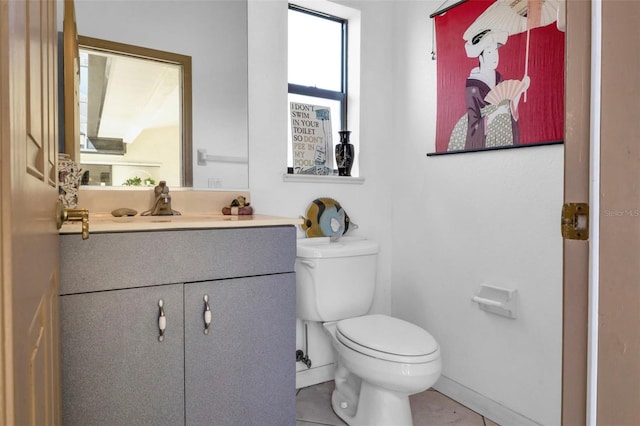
[[311, 139]]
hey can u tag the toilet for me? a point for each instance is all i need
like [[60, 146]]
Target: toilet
[[380, 360]]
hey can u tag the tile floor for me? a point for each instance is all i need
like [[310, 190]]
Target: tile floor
[[313, 408]]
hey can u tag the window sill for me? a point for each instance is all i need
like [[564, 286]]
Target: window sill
[[286, 177]]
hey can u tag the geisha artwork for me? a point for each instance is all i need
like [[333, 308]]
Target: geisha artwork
[[500, 75]]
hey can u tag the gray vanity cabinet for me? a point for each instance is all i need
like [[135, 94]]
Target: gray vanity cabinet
[[233, 372], [114, 367], [226, 360]]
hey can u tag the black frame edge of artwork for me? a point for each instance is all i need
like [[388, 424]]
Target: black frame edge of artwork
[[434, 154]]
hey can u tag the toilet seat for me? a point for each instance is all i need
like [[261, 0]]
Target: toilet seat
[[388, 338]]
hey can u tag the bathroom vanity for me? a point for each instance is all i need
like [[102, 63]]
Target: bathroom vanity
[[187, 326]]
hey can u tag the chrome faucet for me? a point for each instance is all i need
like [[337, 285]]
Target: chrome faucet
[[162, 202]]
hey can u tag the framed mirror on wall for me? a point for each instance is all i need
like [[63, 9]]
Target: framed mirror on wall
[[213, 34], [134, 115]]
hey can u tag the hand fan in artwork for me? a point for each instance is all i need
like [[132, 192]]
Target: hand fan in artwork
[[505, 90]]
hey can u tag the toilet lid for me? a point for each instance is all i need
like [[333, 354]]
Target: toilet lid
[[388, 338]]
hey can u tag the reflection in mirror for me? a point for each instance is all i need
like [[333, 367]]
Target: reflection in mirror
[[214, 34], [135, 115]]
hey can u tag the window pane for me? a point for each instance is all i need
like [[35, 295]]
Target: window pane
[[315, 51], [336, 124]]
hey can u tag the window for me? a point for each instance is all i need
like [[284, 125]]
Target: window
[[318, 70]]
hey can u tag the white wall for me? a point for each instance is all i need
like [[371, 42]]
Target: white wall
[[368, 205], [445, 224], [489, 217]]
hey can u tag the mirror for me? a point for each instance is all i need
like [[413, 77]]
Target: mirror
[[214, 35], [135, 115]]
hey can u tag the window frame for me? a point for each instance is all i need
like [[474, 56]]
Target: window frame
[[342, 95]]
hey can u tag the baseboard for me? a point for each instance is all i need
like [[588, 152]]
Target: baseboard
[[313, 376], [489, 408]]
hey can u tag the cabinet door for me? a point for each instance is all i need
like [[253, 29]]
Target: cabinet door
[[115, 370], [242, 372]]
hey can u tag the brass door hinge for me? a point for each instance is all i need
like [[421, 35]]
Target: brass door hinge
[[575, 221]]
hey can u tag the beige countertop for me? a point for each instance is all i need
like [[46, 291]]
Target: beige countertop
[[101, 222], [200, 209]]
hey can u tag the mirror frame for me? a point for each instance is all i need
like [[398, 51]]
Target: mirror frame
[[72, 78]]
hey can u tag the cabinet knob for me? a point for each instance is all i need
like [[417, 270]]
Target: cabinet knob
[[207, 314], [162, 320]]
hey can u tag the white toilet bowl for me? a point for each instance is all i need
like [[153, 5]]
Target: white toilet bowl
[[380, 361]]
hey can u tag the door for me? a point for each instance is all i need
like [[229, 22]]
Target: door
[[618, 349], [29, 377], [117, 369], [611, 394], [241, 372]]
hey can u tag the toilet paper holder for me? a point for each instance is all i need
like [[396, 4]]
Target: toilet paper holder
[[497, 300]]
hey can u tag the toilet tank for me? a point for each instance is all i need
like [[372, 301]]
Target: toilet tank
[[334, 280]]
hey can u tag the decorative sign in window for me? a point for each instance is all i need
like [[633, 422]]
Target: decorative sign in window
[[311, 139]]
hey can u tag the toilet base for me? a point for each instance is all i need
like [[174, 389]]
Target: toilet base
[[375, 407]]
